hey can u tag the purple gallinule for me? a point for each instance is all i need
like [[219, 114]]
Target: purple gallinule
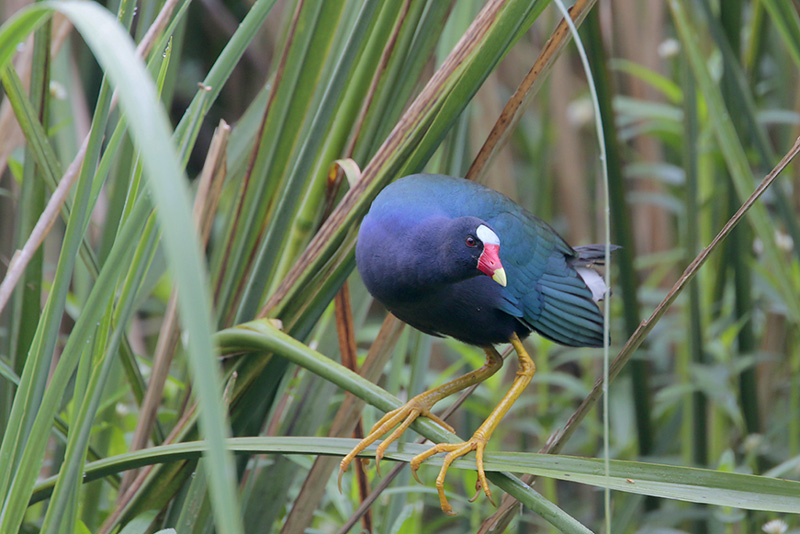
[[453, 258]]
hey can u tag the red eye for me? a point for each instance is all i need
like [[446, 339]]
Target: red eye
[[471, 241]]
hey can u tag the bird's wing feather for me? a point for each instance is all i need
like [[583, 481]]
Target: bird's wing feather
[[561, 306]]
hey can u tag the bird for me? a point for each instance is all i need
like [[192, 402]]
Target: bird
[[451, 257]]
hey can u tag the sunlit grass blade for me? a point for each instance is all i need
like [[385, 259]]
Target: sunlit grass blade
[[151, 132]]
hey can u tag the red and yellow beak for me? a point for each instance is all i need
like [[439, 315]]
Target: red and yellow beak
[[489, 261]]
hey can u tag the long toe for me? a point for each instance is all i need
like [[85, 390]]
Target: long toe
[[482, 482], [454, 451], [393, 437], [460, 450]]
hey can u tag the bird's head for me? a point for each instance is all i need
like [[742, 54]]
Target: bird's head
[[489, 260], [476, 247]]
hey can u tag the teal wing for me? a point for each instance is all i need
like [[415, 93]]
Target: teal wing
[[554, 299]]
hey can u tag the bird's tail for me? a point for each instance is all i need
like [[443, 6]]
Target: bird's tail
[[592, 254], [589, 255]]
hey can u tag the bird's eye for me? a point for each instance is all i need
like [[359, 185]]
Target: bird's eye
[[471, 241]]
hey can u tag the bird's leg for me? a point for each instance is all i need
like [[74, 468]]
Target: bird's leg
[[420, 405], [481, 436]]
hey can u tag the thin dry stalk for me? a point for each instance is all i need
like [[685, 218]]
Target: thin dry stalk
[[362, 113], [344, 422], [558, 439], [516, 105], [205, 206], [252, 161], [349, 351]]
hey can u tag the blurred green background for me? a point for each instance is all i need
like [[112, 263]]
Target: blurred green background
[[238, 110]]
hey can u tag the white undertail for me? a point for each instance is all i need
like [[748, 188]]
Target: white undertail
[[594, 281]]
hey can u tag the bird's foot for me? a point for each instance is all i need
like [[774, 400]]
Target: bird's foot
[[455, 450], [419, 406]]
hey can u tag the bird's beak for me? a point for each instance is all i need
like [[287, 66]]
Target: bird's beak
[[489, 264]]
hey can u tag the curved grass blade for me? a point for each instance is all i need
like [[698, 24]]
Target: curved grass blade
[[150, 129], [707, 486]]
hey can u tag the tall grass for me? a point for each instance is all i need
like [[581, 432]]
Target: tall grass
[[163, 369]]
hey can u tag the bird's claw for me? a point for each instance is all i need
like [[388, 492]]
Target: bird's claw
[[419, 406], [403, 416], [455, 450]]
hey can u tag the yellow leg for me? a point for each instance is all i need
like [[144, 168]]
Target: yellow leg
[[420, 405], [481, 436]]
